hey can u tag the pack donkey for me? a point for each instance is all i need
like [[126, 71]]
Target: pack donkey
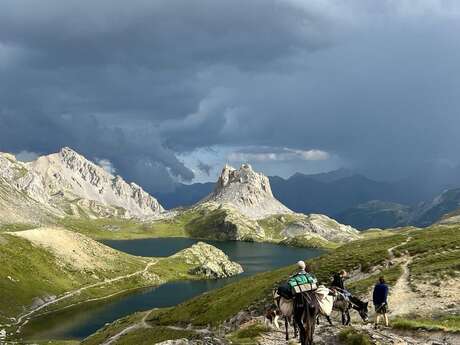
[[285, 310], [344, 304]]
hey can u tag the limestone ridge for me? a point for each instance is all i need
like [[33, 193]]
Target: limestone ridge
[[68, 183], [248, 191]]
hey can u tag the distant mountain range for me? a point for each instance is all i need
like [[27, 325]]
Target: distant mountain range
[[376, 214], [349, 197], [67, 184], [443, 208], [185, 194], [65, 188]]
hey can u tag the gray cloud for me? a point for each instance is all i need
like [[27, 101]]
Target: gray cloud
[[106, 165], [203, 167], [26, 156], [139, 83], [266, 154]]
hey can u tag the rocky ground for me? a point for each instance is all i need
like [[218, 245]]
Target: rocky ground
[[329, 335]]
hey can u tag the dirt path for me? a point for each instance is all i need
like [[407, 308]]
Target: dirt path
[[23, 319], [402, 299], [141, 324], [391, 250]]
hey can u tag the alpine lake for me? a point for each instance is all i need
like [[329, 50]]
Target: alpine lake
[[85, 319]]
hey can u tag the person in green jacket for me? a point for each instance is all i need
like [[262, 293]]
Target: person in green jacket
[[303, 274], [302, 267]]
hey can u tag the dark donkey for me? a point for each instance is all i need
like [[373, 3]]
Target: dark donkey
[[344, 305], [306, 311]]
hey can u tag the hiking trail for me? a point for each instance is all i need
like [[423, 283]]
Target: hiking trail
[[23, 319], [402, 299], [141, 324]]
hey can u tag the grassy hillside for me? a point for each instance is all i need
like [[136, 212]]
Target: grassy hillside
[[117, 229], [254, 292], [52, 265]]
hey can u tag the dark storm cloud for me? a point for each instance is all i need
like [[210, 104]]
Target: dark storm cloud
[[138, 153], [138, 82], [385, 99], [203, 167]]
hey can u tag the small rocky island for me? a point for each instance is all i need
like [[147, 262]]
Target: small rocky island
[[209, 261]]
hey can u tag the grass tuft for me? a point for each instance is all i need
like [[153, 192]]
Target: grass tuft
[[446, 323], [350, 336], [248, 335]]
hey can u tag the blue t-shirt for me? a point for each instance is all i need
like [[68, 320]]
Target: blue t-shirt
[[380, 294]]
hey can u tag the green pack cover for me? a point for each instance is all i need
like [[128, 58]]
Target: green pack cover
[[302, 279]]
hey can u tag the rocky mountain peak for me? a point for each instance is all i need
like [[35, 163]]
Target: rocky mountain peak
[[248, 191], [66, 181], [67, 151], [252, 181]]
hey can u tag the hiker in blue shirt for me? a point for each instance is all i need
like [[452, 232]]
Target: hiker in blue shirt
[[380, 299]]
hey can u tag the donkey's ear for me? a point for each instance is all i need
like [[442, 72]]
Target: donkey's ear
[[367, 303]]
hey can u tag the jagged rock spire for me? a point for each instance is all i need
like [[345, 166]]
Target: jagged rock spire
[[248, 191]]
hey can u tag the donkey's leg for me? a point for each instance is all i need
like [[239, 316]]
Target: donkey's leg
[[310, 324], [286, 326], [348, 317], [298, 313], [296, 333], [312, 331], [328, 318], [343, 317]]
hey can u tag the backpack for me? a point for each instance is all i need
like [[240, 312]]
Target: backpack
[[302, 283], [284, 290]]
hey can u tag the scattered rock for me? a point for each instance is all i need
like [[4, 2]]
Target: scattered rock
[[204, 341], [319, 226]]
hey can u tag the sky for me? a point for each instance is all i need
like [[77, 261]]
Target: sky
[[170, 90]]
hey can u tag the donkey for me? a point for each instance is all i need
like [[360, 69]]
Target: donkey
[[285, 309], [306, 311], [344, 305]]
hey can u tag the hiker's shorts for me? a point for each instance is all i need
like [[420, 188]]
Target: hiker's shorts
[[381, 309]]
